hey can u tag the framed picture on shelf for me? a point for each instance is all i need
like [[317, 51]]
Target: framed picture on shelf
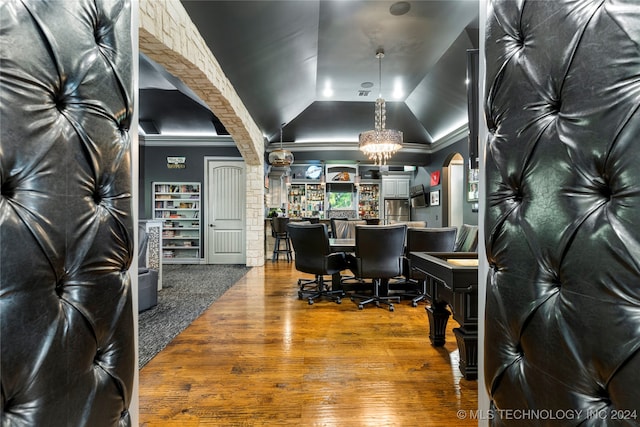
[[472, 185], [434, 198]]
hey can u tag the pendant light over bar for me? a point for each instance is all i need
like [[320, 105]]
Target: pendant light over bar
[[281, 157], [380, 144]]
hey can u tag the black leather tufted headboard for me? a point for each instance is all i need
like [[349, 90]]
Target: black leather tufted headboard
[[562, 222], [66, 236]]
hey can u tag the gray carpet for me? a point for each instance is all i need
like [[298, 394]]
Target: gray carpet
[[187, 291]]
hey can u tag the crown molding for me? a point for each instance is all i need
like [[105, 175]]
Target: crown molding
[[186, 141]]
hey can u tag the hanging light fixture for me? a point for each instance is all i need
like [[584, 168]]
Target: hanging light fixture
[[380, 144], [280, 156]]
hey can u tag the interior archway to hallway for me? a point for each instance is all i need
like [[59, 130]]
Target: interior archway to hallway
[[185, 55], [452, 197]]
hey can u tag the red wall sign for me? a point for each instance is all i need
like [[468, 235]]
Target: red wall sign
[[435, 178]]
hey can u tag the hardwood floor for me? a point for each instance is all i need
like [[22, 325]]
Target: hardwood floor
[[259, 356]]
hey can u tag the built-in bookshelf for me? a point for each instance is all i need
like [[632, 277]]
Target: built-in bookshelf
[[178, 205]]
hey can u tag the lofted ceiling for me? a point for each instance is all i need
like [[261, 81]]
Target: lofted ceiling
[[281, 57]]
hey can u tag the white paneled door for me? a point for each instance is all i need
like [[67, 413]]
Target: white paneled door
[[225, 222]]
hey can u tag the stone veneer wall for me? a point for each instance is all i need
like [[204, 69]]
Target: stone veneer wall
[[168, 36]]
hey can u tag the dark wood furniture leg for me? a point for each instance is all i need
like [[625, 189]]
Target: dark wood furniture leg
[[468, 349], [438, 317]]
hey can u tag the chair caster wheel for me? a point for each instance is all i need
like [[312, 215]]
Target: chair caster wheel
[[310, 302], [353, 299], [414, 304], [391, 307], [360, 306], [299, 295], [338, 301]]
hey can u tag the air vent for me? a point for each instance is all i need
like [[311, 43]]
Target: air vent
[[363, 92]]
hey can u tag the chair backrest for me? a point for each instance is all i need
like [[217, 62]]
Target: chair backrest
[[334, 226], [409, 224], [467, 240], [279, 224], [346, 229], [310, 244], [379, 250], [431, 239], [313, 220]]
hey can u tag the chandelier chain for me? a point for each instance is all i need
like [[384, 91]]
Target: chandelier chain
[[380, 144]]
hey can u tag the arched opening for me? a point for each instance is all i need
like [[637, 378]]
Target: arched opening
[[453, 191]]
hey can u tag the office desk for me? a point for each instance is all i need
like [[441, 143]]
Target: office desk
[[452, 280]]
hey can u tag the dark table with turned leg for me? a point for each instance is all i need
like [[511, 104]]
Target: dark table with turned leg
[[452, 281], [340, 245]]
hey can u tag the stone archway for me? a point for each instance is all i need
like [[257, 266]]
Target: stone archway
[[168, 36]]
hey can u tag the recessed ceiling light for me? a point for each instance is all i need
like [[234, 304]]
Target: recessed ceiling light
[[366, 85], [399, 8]]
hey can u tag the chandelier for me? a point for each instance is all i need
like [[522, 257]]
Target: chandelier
[[380, 144], [280, 156]]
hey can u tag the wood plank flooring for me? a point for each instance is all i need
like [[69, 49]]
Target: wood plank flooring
[[259, 356]]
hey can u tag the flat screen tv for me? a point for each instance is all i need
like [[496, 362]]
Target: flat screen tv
[[418, 200]]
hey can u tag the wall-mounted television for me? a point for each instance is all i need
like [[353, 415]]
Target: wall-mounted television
[[418, 199]]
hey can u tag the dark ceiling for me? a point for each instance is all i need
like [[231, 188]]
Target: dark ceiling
[[281, 56]]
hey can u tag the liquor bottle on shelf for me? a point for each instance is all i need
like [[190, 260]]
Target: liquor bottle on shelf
[[368, 205]]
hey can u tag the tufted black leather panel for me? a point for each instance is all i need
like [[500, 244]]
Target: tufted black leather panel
[[562, 223], [66, 234]]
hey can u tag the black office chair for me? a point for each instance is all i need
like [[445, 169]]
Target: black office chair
[[344, 228], [279, 231], [335, 227], [424, 240], [314, 256], [378, 256]]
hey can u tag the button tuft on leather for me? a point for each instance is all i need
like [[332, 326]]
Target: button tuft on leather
[[7, 190], [517, 195], [59, 244], [59, 289], [567, 123], [60, 102]]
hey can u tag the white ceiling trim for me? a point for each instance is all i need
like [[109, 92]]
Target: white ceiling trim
[[186, 141]]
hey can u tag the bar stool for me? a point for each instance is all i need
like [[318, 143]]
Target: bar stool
[[279, 231]]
